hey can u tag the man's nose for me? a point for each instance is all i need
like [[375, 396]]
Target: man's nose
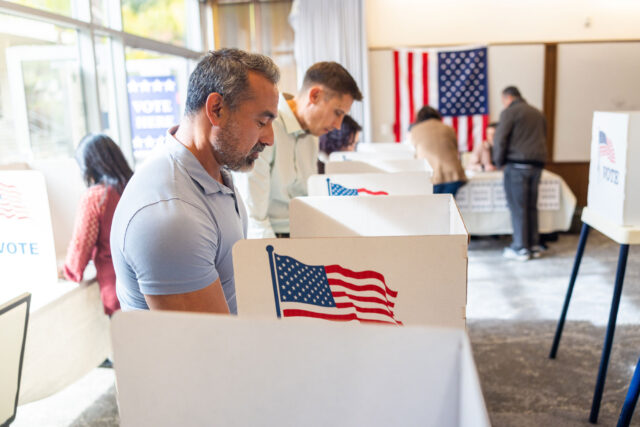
[[267, 135]]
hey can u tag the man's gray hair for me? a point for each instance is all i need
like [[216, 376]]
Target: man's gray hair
[[225, 71]]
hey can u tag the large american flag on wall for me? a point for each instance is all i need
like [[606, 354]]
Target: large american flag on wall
[[454, 81]]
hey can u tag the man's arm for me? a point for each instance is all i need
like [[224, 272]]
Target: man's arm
[[501, 139], [207, 300], [171, 249]]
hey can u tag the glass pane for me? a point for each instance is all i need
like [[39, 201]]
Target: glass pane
[[163, 20], [42, 109], [157, 86], [277, 41], [234, 26], [58, 6], [99, 12], [106, 88]]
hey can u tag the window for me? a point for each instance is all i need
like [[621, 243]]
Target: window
[[42, 102], [69, 67], [259, 26]]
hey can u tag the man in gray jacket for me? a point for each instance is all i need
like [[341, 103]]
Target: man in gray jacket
[[520, 146]]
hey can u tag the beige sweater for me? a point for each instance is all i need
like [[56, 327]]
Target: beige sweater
[[438, 144]]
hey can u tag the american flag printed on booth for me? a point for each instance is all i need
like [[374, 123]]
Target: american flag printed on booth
[[336, 189], [330, 292], [453, 81], [605, 147], [11, 205]]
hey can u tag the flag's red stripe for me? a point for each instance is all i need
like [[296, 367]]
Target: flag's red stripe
[[367, 274], [358, 288], [396, 71], [454, 123], [425, 78], [469, 133], [364, 309], [410, 85], [363, 299], [373, 193], [7, 185], [485, 123], [336, 317]]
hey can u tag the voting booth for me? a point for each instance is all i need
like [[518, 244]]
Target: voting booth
[[370, 184], [70, 312], [377, 166], [338, 156], [375, 147], [185, 369], [435, 214], [613, 173], [14, 317], [399, 280]]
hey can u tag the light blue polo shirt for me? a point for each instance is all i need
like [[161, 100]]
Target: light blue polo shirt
[[174, 228]]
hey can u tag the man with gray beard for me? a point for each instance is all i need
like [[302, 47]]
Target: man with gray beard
[[180, 214]]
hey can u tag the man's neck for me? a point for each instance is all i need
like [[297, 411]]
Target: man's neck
[[194, 135], [294, 103]]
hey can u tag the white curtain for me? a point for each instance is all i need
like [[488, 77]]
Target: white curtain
[[334, 30]]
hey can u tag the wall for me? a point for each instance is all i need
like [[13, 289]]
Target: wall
[[592, 77], [521, 65], [431, 23]]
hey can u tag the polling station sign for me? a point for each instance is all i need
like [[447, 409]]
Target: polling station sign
[[153, 103], [27, 255]]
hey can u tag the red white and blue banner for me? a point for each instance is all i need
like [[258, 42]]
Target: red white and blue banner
[[453, 81]]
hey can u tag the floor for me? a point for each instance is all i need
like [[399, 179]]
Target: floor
[[512, 312]]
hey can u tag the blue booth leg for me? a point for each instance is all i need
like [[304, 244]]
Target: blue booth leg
[[584, 233], [631, 399], [608, 340]]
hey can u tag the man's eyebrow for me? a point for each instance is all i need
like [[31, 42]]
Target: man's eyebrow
[[268, 114]]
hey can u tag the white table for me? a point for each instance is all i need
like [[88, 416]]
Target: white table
[[484, 208]]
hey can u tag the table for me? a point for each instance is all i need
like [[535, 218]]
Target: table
[[625, 236], [484, 208]]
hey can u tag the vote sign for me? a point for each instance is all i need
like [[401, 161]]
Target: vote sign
[[154, 108], [27, 254], [614, 173]]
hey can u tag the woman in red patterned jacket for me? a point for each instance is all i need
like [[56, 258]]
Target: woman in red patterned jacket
[[106, 173]]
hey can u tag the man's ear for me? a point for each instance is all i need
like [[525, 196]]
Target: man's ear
[[213, 107], [315, 94]]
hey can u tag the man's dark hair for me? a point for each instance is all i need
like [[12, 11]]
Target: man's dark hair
[[513, 91], [337, 139], [427, 113], [492, 125], [334, 77], [226, 71], [102, 162]]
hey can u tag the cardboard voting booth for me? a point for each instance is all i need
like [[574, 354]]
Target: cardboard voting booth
[[14, 315], [374, 147], [338, 156], [182, 369], [377, 166], [65, 189], [370, 184], [27, 252], [70, 312], [400, 280], [435, 214], [614, 174]]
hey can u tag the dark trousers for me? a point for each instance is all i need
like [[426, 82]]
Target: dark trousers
[[521, 189], [448, 187]]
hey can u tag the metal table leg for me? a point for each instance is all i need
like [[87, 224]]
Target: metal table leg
[[611, 328], [584, 233]]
